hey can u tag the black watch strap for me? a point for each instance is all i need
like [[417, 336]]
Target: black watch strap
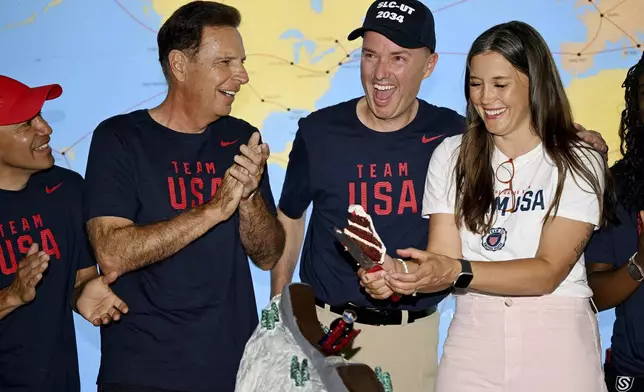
[[465, 277], [466, 266]]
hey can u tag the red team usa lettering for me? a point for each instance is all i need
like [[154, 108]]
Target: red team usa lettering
[[191, 184], [18, 235], [381, 194]]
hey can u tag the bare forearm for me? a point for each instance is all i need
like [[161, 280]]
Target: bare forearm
[[532, 276], [132, 247], [282, 273], [261, 233], [539, 275], [611, 288], [8, 302]]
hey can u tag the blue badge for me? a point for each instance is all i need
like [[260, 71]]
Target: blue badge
[[495, 240]]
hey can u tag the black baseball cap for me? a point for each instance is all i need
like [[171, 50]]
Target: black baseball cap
[[408, 23]]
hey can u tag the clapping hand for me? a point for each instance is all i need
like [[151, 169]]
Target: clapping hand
[[250, 164], [30, 270]]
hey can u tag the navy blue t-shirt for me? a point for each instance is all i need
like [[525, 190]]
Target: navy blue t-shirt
[[191, 314], [337, 161], [37, 340], [614, 245]]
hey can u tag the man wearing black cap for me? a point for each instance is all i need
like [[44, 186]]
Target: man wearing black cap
[[409, 24], [380, 145], [45, 261]]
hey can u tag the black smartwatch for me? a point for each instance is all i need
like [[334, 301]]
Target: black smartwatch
[[464, 279], [634, 269]]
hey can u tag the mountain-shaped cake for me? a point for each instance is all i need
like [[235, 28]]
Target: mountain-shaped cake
[[363, 232]]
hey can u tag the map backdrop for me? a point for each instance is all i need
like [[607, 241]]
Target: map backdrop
[[104, 54]]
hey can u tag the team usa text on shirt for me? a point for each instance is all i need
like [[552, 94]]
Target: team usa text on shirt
[[527, 200], [191, 182], [18, 235], [393, 191]]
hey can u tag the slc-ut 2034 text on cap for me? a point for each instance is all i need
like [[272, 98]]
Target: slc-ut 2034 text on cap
[[392, 15]]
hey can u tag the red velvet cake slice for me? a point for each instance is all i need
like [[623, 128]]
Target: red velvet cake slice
[[362, 230]]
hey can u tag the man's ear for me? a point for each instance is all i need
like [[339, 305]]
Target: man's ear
[[178, 62], [431, 61]]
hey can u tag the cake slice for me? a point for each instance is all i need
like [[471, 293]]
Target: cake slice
[[363, 232]]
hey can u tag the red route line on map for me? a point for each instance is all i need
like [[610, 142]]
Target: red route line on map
[[592, 41], [140, 22], [602, 15], [448, 6], [349, 54], [615, 6], [137, 20], [268, 55], [437, 10]]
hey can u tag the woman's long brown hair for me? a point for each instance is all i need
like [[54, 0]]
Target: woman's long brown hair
[[552, 121]]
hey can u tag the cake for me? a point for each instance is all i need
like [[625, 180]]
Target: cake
[[363, 232]]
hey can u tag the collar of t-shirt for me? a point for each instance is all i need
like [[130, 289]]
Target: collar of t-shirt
[[498, 157]]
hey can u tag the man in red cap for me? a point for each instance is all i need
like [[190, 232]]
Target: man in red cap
[[46, 268]]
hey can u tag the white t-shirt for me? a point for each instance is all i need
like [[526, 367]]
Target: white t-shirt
[[516, 235]]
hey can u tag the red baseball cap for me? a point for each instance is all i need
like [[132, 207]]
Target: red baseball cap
[[20, 103]]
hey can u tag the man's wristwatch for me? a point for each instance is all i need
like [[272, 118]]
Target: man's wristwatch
[[464, 279], [635, 270]]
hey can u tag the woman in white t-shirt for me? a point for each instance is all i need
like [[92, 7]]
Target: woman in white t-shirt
[[523, 318]]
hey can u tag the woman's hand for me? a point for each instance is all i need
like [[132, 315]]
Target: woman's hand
[[433, 273]]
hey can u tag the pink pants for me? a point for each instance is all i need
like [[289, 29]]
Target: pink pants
[[527, 344]]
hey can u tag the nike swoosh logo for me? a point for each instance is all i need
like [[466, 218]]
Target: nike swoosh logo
[[430, 139], [50, 190], [226, 144]]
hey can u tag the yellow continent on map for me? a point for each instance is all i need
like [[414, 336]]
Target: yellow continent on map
[[273, 78], [597, 102], [277, 83], [606, 21], [31, 17]]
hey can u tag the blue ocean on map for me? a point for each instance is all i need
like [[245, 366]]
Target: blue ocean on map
[[104, 55]]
